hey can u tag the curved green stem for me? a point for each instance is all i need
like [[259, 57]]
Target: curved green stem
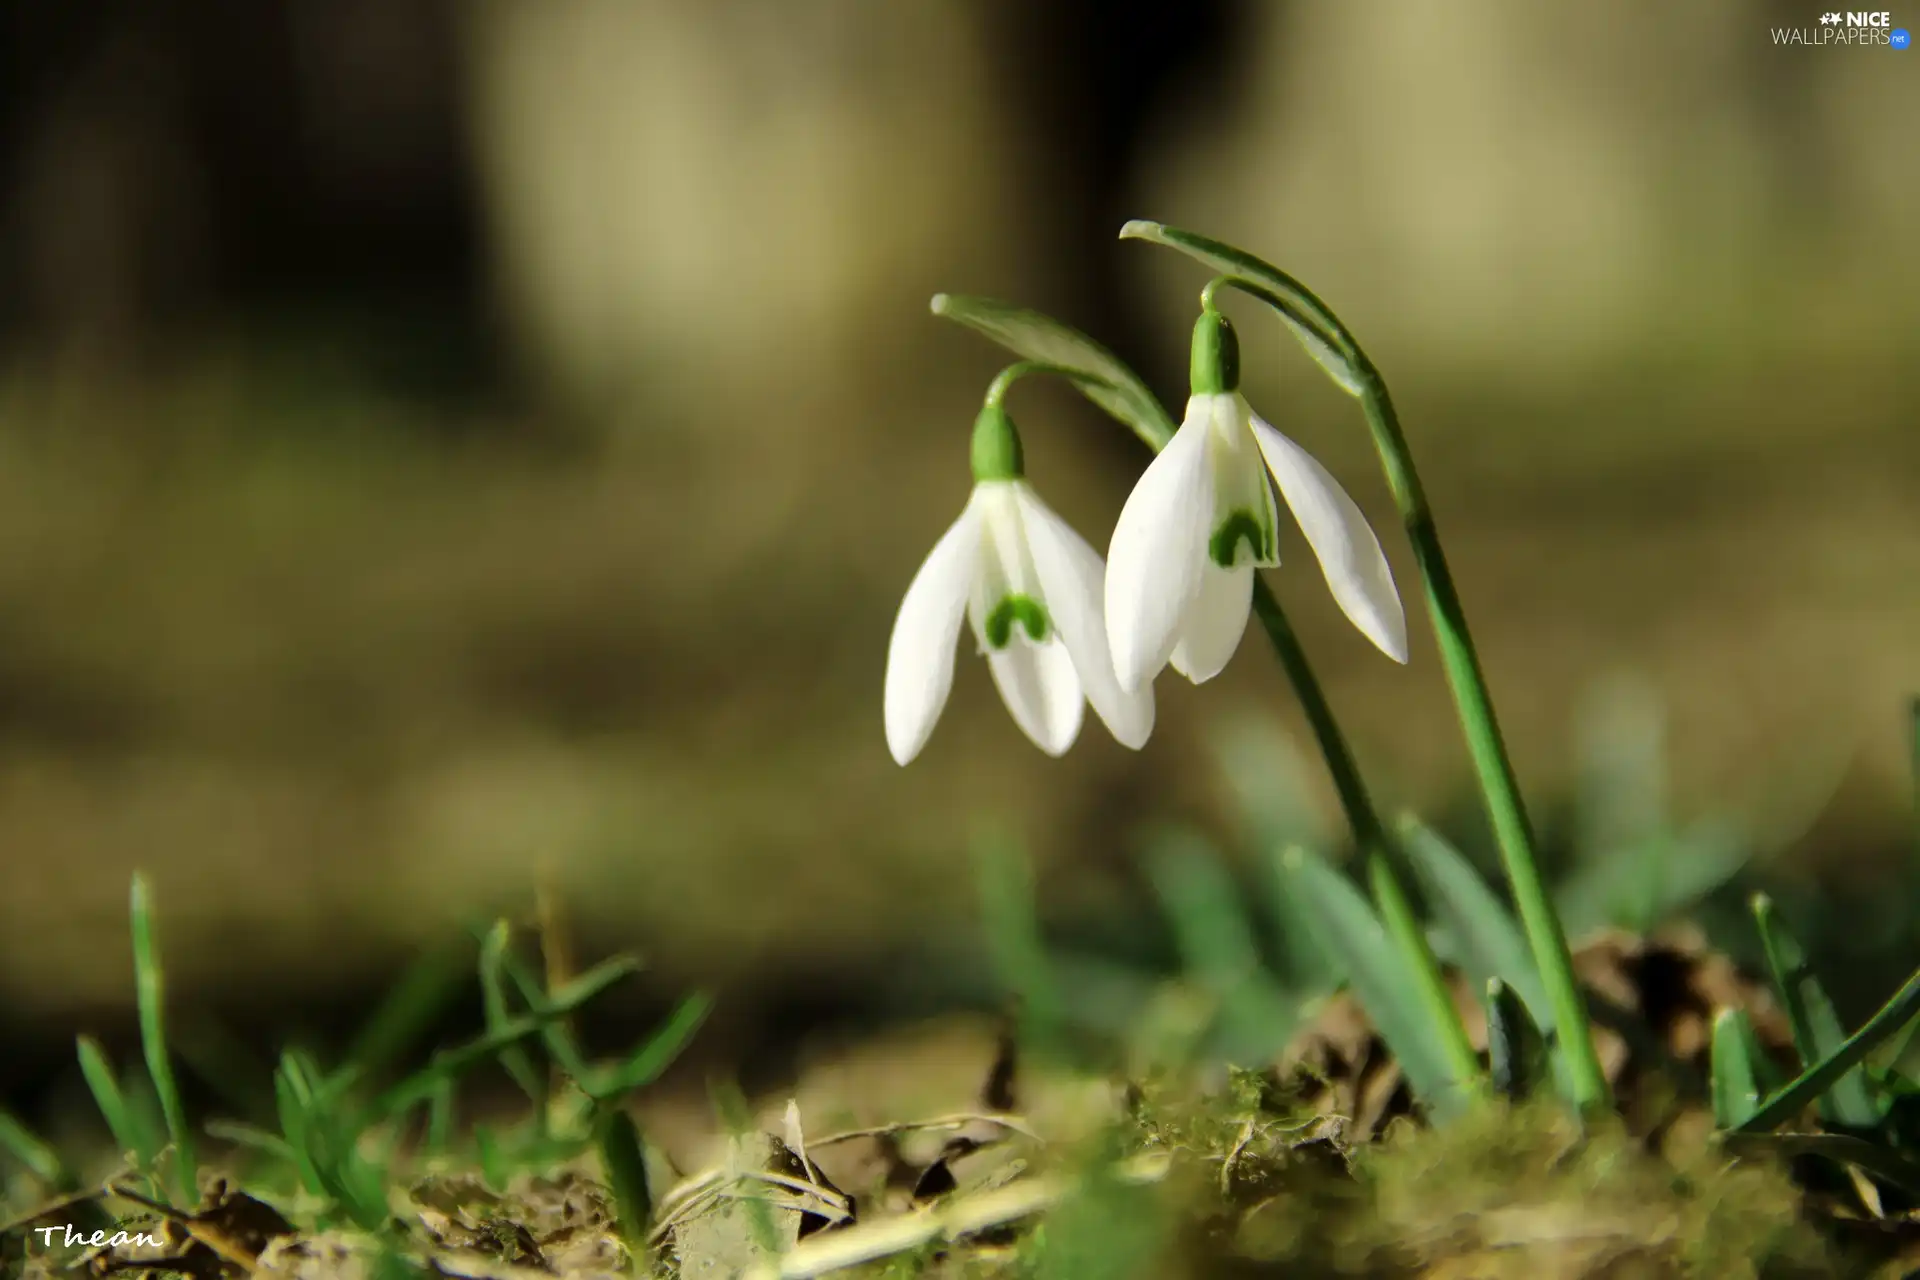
[[1335, 348], [1003, 382]]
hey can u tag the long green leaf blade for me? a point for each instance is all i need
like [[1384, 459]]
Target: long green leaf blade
[[455, 1062], [1735, 1068], [657, 1052], [24, 1145], [150, 998], [1115, 388], [623, 1161], [128, 1133], [1486, 936], [517, 1062], [1817, 1032], [1339, 918], [398, 1022]]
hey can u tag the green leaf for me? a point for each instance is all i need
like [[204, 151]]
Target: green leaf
[[452, 1063], [559, 1041], [149, 996], [410, 1006], [1516, 1051], [1340, 920], [292, 1098], [656, 1053], [1736, 1064], [514, 1058], [1487, 939], [1817, 1032], [1307, 965], [130, 1134], [1216, 941], [253, 1137], [1304, 315], [1104, 378], [495, 1169], [40, 1159], [624, 1162]]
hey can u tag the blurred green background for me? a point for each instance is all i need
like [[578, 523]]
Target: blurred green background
[[448, 444]]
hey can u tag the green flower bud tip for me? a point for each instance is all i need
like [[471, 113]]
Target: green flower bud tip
[[1216, 355], [996, 446]]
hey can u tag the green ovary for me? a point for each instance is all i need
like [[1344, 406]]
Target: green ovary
[[1239, 526], [1016, 608]]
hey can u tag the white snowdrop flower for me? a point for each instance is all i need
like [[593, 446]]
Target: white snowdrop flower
[[1031, 589], [1203, 517]]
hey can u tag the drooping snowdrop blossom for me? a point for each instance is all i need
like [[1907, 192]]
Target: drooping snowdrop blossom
[[1031, 588], [1203, 517]]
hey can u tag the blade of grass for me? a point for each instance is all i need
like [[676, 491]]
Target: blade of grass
[[451, 1063], [1817, 1032], [1340, 920], [440, 1118], [129, 1134], [1735, 1067], [254, 1138], [1488, 939], [557, 1036], [656, 1053], [399, 1022], [1815, 1080], [291, 1099], [624, 1162], [150, 997], [514, 1058], [495, 1170], [24, 1145]]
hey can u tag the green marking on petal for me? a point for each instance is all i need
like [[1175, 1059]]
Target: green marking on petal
[[1237, 527], [1024, 610]]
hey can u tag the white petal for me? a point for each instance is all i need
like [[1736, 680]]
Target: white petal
[[1153, 563], [1349, 554], [920, 655], [1040, 689], [1073, 582], [1215, 623]]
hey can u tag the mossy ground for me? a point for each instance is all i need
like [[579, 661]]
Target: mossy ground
[[1183, 1173]]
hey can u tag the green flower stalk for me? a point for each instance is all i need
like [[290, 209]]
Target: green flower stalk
[[1329, 342]]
